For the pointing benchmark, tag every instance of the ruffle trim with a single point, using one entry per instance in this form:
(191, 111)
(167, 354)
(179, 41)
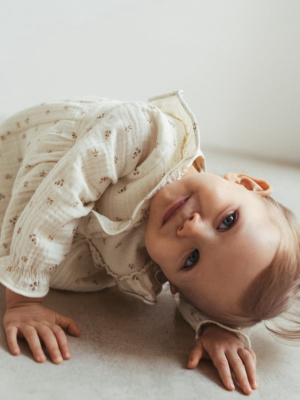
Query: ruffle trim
(23, 282)
(145, 284)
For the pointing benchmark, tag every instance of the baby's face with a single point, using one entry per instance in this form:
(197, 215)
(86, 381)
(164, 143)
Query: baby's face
(217, 242)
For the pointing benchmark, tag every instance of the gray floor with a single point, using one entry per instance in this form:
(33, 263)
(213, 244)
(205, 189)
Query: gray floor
(129, 350)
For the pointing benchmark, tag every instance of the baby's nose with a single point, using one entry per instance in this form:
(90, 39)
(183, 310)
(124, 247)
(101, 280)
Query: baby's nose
(191, 226)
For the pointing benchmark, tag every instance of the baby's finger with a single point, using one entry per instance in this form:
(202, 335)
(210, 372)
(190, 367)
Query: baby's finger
(249, 362)
(33, 340)
(239, 371)
(195, 355)
(50, 342)
(68, 324)
(62, 341)
(221, 363)
(11, 335)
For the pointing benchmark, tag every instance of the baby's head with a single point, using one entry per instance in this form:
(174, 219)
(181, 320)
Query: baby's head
(230, 249)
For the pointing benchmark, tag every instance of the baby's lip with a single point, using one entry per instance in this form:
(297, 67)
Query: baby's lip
(173, 209)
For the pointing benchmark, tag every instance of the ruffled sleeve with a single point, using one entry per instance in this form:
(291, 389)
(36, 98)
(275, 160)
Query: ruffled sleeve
(197, 322)
(44, 231)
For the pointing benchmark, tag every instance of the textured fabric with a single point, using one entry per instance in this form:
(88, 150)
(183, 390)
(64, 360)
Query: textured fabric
(77, 178)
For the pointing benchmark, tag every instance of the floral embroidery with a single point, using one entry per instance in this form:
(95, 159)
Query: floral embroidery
(33, 238)
(119, 219)
(59, 183)
(193, 311)
(107, 134)
(8, 176)
(42, 174)
(74, 135)
(118, 245)
(116, 160)
(27, 120)
(20, 159)
(14, 220)
(28, 166)
(88, 129)
(49, 200)
(24, 136)
(9, 269)
(2, 196)
(50, 151)
(66, 107)
(25, 259)
(135, 171)
(50, 237)
(131, 266)
(5, 245)
(137, 151)
(122, 190)
(195, 126)
(75, 204)
(128, 128)
(96, 152)
(149, 120)
(103, 240)
(156, 145)
(103, 179)
(19, 230)
(135, 278)
(25, 184)
(100, 116)
(98, 195)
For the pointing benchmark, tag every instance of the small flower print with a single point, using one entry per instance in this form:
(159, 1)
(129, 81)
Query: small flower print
(20, 159)
(18, 125)
(2, 196)
(88, 129)
(24, 136)
(107, 134)
(8, 176)
(75, 204)
(14, 220)
(193, 311)
(96, 152)
(100, 116)
(50, 151)
(149, 120)
(47, 112)
(128, 128)
(50, 237)
(135, 278)
(9, 269)
(8, 132)
(98, 195)
(5, 245)
(103, 179)
(118, 245)
(19, 230)
(59, 183)
(49, 200)
(195, 126)
(131, 266)
(103, 240)
(34, 285)
(74, 135)
(135, 171)
(42, 174)
(25, 259)
(137, 151)
(28, 166)
(122, 190)
(3, 137)
(119, 219)
(66, 107)
(27, 120)
(116, 160)
(26, 184)
(33, 238)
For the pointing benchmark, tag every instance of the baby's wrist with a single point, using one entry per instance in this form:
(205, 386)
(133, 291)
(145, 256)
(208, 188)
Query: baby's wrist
(14, 299)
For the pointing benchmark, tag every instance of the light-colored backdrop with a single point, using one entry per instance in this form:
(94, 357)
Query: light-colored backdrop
(238, 62)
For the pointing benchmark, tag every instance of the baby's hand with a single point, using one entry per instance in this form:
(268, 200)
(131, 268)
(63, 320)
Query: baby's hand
(35, 323)
(226, 350)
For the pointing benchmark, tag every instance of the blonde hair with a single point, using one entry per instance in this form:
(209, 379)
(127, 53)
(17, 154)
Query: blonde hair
(276, 290)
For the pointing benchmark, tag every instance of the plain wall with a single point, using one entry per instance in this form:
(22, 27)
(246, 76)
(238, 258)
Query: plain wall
(238, 62)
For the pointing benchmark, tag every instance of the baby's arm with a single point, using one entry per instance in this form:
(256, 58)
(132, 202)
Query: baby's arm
(27, 318)
(225, 350)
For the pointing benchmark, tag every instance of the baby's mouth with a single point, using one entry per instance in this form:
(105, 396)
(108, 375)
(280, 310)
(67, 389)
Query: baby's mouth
(174, 209)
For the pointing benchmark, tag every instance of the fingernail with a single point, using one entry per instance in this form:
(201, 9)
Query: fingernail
(58, 360)
(248, 388)
(231, 386)
(67, 354)
(254, 385)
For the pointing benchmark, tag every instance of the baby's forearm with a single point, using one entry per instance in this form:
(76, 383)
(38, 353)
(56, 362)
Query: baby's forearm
(14, 299)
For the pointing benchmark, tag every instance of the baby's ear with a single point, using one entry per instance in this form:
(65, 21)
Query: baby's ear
(173, 288)
(259, 186)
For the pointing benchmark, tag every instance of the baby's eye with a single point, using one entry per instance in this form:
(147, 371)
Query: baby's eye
(191, 260)
(228, 222)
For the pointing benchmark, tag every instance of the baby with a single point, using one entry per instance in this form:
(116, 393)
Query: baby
(97, 192)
